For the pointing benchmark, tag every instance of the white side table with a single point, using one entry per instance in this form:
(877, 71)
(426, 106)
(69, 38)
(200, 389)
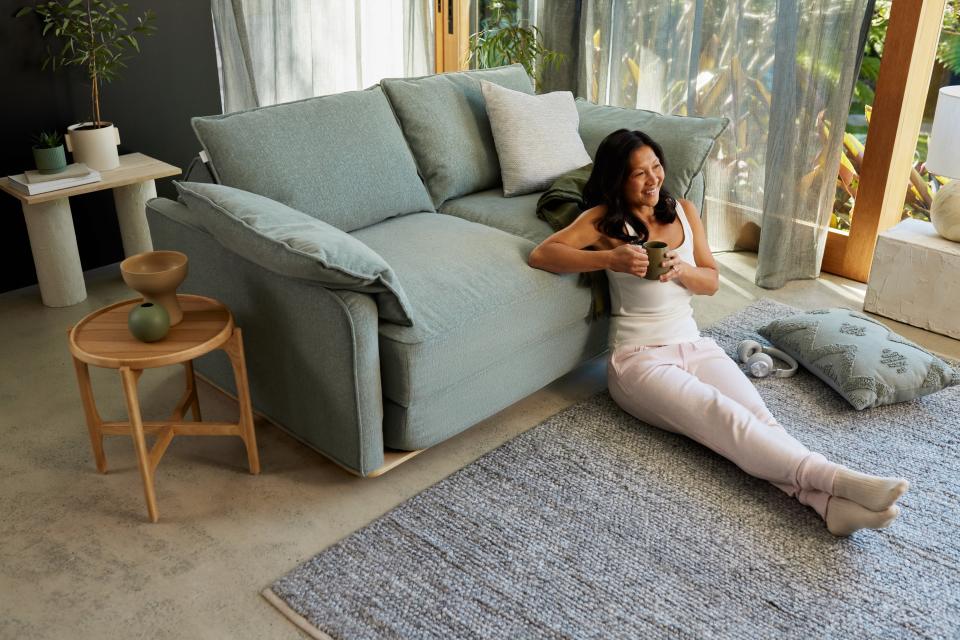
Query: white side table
(914, 278)
(53, 241)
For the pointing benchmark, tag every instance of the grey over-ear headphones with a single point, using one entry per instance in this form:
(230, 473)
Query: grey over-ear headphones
(758, 360)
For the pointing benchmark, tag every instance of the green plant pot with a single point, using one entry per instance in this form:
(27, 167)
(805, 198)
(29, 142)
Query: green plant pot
(50, 160)
(148, 322)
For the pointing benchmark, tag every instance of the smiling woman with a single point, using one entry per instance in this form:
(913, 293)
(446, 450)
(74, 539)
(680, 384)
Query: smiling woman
(630, 169)
(660, 369)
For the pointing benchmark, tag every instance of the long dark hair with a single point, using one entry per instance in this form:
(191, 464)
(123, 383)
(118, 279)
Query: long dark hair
(611, 168)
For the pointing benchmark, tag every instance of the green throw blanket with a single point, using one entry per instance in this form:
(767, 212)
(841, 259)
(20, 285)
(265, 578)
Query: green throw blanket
(559, 206)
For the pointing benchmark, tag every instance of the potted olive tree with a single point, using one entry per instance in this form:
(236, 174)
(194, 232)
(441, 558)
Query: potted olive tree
(95, 35)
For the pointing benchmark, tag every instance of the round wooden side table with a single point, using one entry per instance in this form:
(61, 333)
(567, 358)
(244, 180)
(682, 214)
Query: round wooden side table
(103, 339)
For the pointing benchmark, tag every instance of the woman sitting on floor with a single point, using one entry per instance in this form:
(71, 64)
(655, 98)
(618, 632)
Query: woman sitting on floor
(660, 369)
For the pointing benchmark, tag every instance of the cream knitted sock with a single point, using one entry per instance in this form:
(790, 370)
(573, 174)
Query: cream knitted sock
(873, 492)
(844, 517)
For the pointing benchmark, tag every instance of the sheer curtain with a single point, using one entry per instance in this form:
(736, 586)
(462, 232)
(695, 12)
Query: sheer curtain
(275, 51)
(781, 71)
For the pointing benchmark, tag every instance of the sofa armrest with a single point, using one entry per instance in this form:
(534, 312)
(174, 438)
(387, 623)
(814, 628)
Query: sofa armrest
(312, 354)
(292, 243)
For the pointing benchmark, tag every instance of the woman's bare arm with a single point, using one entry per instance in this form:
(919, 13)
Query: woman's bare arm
(701, 277)
(565, 251)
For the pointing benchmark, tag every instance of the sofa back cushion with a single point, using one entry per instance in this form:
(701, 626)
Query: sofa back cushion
(686, 140)
(340, 158)
(444, 118)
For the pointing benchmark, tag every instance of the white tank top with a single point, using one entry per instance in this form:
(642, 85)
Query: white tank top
(650, 312)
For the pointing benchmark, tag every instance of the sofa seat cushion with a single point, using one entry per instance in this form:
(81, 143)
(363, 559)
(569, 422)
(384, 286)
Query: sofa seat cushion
(340, 158)
(516, 216)
(473, 298)
(457, 407)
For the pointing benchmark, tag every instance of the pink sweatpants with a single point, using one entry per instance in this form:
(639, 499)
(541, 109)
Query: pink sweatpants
(695, 389)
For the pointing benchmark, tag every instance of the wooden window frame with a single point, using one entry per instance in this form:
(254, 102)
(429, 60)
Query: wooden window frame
(451, 23)
(909, 53)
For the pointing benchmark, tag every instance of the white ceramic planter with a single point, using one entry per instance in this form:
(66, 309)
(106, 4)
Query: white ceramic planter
(96, 148)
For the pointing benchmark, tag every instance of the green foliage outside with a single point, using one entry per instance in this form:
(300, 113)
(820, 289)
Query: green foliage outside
(922, 186)
(503, 38)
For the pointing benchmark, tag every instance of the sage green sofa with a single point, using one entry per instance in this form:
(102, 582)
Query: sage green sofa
(454, 328)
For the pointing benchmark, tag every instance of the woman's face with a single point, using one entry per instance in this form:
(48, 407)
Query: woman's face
(645, 178)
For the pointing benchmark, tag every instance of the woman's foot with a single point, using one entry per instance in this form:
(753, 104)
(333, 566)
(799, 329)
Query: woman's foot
(844, 517)
(873, 492)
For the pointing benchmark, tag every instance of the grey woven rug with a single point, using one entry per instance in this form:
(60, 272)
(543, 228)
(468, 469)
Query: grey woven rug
(594, 524)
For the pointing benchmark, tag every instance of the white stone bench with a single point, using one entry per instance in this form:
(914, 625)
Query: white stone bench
(915, 278)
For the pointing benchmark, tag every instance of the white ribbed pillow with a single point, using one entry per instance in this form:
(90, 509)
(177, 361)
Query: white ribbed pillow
(536, 137)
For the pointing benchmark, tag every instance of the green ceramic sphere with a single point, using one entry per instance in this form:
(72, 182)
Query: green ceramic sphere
(148, 322)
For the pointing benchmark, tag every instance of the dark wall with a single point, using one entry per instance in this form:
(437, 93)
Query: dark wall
(173, 78)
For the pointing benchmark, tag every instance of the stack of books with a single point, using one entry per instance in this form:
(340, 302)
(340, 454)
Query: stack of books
(33, 182)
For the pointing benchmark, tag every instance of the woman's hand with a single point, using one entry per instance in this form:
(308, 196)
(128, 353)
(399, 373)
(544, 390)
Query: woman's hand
(629, 258)
(674, 265)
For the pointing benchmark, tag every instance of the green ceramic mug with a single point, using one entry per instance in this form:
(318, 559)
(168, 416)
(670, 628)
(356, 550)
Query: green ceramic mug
(656, 253)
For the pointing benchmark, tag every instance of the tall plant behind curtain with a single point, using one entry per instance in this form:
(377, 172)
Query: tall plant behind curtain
(275, 51)
(775, 165)
(527, 12)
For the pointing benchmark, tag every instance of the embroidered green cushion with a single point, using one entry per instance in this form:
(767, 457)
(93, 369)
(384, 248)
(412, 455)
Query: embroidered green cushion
(859, 357)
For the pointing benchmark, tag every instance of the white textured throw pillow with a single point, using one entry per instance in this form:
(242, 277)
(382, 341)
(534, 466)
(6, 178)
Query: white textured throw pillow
(536, 137)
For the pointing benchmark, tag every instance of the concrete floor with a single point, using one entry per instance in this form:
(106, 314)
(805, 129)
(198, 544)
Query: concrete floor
(78, 558)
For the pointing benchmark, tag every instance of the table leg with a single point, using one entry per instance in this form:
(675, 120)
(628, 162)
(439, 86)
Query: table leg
(129, 378)
(131, 204)
(192, 384)
(55, 255)
(92, 415)
(234, 349)
(190, 396)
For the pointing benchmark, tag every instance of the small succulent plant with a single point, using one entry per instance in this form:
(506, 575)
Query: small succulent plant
(47, 140)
